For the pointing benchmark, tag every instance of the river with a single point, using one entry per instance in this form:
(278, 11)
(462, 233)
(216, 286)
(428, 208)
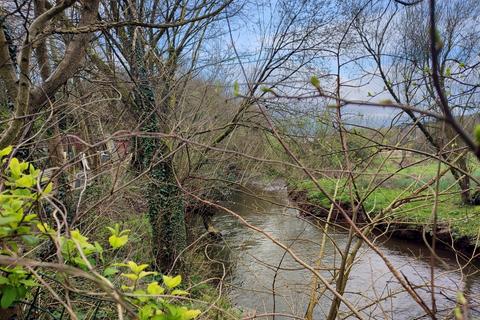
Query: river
(259, 267)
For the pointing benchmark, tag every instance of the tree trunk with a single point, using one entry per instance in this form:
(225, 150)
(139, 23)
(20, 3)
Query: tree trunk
(459, 159)
(165, 200)
(463, 180)
(166, 215)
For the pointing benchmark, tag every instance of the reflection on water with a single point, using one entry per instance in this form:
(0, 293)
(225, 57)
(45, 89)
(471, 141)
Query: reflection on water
(260, 267)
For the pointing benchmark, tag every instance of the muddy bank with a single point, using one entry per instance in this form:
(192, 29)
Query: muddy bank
(405, 230)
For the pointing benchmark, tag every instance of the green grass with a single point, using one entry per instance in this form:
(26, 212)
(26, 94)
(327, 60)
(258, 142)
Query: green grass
(462, 219)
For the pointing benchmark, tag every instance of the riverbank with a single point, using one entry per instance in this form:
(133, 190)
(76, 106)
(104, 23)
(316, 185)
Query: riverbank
(397, 214)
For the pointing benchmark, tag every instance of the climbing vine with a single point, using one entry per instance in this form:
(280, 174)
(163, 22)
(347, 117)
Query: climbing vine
(166, 207)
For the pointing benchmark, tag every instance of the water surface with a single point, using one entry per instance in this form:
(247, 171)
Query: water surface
(260, 267)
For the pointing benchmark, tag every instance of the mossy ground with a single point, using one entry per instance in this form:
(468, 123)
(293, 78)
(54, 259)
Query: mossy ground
(462, 219)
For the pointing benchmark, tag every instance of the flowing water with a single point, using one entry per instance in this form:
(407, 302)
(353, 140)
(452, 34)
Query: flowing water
(260, 267)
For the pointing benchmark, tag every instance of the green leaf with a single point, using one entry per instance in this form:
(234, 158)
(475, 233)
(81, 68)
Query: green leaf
(315, 81)
(9, 219)
(177, 292)
(15, 168)
(44, 228)
(21, 292)
(29, 283)
(110, 271)
(236, 89)
(29, 217)
(266, 89)
(146, 312)
(448, 72)
(136, 268)
(48, 189)
(190, 314)
(458, 313)
(9, 294)
(143, 274)
(76, 235)
(31, 169)
(124, 232)
(26, 181)
(29, 239)
(6, 151)
(112, 231)
(119, 264)
(172, 282)
(141, 295)
(117, 242)
(126, 288)
(477, 133)
(130, 276)
(461, 298)
(155, 289)
(98, 247)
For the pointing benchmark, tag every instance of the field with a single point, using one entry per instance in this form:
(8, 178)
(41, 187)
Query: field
(382, 191)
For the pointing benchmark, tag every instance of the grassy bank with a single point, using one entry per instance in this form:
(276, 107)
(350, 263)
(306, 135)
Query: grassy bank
(399, 197)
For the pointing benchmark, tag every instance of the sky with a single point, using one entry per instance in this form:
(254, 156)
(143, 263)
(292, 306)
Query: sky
(247, 36)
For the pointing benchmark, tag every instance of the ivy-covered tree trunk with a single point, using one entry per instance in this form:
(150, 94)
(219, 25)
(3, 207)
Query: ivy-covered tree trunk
(165, 200)
(166, 214)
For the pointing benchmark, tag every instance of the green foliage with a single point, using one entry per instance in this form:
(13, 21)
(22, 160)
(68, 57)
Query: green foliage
(166, 212)
(448, 72)
(172, 282)
(461, 305)
(315, 82)
(20, 228)
(477, 133)
(151, 298)
(17, 223)
(14, 284)
(267, 89)
(118, 238)
(72, 249)
(236, 89)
